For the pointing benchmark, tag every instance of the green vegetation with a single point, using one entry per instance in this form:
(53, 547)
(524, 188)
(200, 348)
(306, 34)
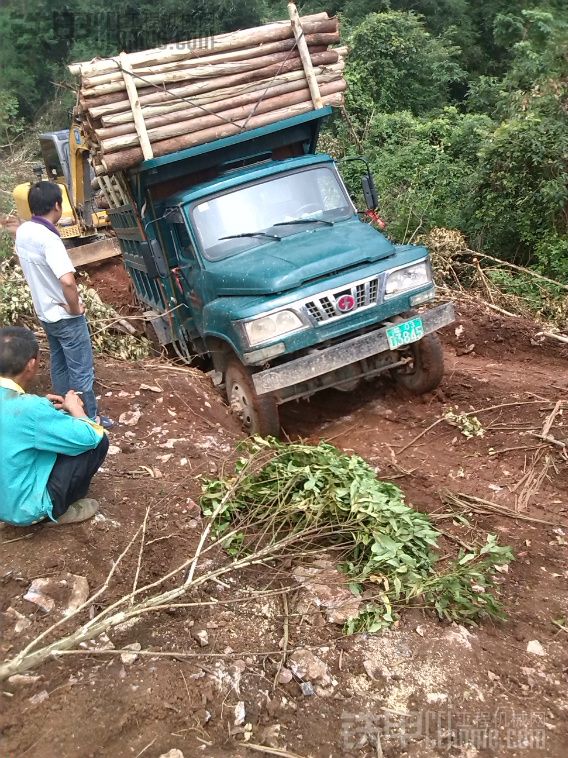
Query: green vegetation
(16, 307)
(461, 106)
(320, 496)
(461, 144)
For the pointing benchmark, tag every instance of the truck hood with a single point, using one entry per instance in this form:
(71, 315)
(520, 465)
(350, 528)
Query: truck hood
(298, 259)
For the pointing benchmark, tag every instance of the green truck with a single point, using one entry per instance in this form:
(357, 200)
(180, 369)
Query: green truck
(249, 251)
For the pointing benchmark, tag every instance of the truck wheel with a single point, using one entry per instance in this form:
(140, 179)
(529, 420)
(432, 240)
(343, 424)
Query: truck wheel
(257, 413)
(427, 369)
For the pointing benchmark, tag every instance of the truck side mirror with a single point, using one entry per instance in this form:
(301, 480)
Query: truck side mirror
(370, 191)
(154, 260)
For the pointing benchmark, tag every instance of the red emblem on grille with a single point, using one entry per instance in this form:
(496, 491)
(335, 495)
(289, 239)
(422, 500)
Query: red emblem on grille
(345, 303)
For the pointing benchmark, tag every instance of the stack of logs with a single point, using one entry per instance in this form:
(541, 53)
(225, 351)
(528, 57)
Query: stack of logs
(146, 104)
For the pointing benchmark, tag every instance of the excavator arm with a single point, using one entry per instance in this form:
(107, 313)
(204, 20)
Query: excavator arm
(66, 161)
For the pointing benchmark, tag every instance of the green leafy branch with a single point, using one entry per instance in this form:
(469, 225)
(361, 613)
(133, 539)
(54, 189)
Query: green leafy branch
(325, 498)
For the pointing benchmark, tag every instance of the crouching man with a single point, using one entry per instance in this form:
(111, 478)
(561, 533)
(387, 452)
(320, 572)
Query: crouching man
(49, 448)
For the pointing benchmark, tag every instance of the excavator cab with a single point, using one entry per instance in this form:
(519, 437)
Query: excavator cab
(65, 161)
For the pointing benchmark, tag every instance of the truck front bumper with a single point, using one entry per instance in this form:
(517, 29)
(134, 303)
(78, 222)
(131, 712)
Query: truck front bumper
(329, 359)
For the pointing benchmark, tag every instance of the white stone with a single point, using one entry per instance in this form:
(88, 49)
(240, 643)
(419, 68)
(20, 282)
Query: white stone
(535, 647)
(128, 658)
(240, 713)
(307, 666)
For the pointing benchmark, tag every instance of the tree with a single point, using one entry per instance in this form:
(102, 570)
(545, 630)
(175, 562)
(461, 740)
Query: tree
(38, 38)
(395, 64)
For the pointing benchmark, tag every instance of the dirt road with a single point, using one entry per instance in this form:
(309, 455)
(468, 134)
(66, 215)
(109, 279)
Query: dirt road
(426, 688)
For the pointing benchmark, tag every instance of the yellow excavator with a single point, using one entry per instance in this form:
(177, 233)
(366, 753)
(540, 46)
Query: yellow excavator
(84, 225)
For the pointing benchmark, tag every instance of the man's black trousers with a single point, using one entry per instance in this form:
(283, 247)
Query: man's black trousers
(71, 476)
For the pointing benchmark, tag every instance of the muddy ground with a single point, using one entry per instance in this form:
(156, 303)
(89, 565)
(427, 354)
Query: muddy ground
(426, 688)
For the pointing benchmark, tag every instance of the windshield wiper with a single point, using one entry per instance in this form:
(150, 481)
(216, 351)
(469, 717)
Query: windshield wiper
(252, 234)
(304, 221)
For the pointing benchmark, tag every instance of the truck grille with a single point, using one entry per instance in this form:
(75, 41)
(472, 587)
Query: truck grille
(343, 302)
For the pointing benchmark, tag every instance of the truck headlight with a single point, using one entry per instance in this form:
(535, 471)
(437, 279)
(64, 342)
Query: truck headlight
(408, 278)
(268, 327)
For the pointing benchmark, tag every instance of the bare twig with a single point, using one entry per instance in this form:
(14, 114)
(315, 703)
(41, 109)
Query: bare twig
(484, 507)
(138, 565)
(527, 271)
(419, 436)
(550, 420)
(549, 438)
(560, 625)
(271, 750)
(148, 746)
(380, 753)
(507, 405)
(552, 336)
(512, 449)
(501, 310)
(285, 638)
(181, 654)
(532, 480)
(17, 539)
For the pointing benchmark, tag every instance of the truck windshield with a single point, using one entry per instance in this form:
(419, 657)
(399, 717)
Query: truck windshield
(265, 207)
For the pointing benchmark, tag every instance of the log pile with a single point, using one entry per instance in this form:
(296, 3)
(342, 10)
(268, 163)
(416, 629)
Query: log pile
(141, 105)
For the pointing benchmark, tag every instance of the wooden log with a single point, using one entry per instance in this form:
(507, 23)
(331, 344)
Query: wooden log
(208, 71)
(323, 73)
(237, 113)
(181, 112)
(96, 105)
(128, 158)
(304, 55)
(104, 107)
(231, 41)
(325, 39)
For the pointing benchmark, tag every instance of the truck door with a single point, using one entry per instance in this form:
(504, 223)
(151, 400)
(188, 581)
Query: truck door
(188, 272)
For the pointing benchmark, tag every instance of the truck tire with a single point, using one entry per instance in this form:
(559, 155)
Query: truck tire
(428, 367)
(258, 413)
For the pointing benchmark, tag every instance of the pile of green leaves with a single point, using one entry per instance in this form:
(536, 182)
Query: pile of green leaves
(321, 495)
(16, 307)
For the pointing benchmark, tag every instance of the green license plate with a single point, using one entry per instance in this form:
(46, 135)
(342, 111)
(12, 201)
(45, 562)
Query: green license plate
(405, 333)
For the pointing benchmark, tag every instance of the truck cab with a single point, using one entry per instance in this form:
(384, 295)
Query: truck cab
(249, 250)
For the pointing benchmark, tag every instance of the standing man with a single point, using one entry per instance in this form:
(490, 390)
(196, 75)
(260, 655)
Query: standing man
(50, 275)
(49, 449)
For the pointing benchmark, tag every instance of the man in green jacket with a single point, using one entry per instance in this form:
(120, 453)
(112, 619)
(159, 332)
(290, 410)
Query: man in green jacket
(49, 448)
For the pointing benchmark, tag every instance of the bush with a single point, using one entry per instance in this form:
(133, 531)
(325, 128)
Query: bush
(522, 188)
(395, 64)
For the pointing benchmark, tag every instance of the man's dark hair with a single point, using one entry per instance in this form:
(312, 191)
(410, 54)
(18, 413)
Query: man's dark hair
(17, 346)
(43, 196)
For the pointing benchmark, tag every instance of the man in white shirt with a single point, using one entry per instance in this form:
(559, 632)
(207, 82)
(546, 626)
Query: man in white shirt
(50, 276)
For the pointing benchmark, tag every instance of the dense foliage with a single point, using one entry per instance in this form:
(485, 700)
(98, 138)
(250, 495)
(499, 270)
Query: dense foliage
(461, 106)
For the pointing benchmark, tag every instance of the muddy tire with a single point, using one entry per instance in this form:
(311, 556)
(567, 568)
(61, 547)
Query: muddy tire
(428, 367)
(257, 413)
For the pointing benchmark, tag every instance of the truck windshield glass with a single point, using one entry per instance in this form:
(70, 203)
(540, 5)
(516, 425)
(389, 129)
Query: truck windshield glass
(258, 208)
